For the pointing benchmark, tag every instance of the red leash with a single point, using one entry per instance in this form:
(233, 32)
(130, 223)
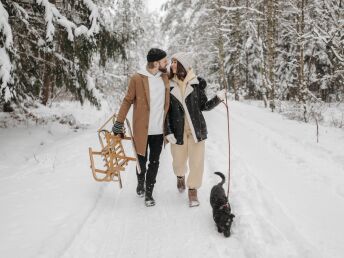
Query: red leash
(229, 146)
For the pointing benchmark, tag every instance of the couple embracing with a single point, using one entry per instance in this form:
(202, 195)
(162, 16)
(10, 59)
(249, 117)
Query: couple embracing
(167, 107)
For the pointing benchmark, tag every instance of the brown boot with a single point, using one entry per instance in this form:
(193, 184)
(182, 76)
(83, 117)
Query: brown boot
(193, 200)
(181, 183)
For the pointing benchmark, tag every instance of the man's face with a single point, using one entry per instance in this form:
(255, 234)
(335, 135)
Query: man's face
(163, 64)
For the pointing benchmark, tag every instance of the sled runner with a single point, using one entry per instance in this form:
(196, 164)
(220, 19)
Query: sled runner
(111, 157)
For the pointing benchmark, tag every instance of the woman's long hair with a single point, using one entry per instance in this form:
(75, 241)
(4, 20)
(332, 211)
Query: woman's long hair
(181, 72)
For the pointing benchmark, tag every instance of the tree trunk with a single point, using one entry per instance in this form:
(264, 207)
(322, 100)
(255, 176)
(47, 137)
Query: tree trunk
(236, 72)
(271, 51)
(221, 57)
(301, 79)
(261, 31)
(47, 72)
(247, 86)
(46, 79)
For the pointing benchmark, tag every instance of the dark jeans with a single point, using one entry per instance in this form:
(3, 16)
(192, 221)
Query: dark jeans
(154, 143)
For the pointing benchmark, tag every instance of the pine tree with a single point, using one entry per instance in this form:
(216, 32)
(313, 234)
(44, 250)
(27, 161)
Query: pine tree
(54, 43)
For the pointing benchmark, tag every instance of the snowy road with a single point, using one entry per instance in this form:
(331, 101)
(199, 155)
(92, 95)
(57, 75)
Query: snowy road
(287, 193)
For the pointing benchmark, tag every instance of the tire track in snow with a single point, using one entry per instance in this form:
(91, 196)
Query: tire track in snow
(265, 131)
(315, 168)
(57, 242)
(264, 221)
(92, 237)
(169, 229)
(260, 226)
(67, 235)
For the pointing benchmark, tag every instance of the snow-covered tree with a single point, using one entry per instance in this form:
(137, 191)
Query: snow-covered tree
(176, 25)
(53, 45)
(6, 51)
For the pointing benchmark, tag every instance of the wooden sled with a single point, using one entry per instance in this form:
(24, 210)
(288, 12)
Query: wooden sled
(112, 156)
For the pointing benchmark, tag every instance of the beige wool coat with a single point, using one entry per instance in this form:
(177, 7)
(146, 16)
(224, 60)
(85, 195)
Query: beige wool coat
(138, 95)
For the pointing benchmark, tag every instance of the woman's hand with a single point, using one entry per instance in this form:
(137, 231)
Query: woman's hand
(171, 138)
(221, 94)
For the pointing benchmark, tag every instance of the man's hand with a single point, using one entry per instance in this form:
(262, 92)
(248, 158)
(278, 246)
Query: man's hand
(171, 138)
(118, 129)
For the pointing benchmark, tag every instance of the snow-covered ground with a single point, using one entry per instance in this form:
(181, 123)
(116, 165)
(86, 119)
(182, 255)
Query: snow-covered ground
(328, 114)
(287, 193)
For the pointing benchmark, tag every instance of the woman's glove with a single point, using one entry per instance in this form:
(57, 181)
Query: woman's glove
(221, 94)
(171, 138)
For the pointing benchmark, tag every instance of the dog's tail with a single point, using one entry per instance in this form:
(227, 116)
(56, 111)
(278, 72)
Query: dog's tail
(222, 176)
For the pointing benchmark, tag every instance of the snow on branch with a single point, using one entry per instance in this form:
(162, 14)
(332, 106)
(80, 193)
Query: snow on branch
(52, 15)
(341, 59)
(5, 62)
(5, 74)
(237, 8)
(5, 27)
(93, 17)
(92, 87)
(23, 15)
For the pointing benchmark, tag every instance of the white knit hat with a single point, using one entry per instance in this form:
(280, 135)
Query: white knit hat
(185, 59)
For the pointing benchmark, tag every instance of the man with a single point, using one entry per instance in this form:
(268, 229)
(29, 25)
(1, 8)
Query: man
(149, 92)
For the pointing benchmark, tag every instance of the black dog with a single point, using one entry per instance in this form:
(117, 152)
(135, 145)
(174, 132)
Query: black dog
(221, 209)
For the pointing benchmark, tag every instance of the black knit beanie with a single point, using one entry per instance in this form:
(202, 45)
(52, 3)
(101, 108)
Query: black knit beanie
(155, 54)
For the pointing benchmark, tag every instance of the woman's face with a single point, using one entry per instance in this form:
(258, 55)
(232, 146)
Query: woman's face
(174, 65)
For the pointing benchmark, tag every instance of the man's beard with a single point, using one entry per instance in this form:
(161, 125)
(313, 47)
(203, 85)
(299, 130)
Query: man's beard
(163, 70)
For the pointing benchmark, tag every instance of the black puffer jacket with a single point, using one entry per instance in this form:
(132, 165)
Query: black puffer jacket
(195, 103)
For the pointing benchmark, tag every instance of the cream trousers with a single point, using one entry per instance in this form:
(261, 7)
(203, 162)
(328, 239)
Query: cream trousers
(192, 153)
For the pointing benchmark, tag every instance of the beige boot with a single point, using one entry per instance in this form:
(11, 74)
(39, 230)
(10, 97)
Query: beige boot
(193, 200)
(181, 183)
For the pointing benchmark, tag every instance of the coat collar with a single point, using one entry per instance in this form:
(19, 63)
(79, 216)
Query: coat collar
(194, 81)
(176, 92)
(190, 79)
(146, 88)
(164, 77)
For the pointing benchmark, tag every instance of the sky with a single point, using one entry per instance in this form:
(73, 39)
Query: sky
(153, 5)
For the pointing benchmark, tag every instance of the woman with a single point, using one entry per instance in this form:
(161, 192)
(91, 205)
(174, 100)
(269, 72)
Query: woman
(185, 126)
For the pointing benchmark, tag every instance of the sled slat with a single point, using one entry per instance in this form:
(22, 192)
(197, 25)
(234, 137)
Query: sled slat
(112, 155)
